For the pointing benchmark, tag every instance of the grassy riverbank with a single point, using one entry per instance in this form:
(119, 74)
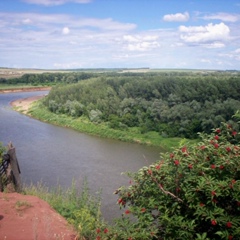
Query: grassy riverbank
(80, 208)
(22, 88)
(81, 124)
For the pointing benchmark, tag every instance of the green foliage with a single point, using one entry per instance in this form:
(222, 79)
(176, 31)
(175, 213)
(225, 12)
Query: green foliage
(172, 103)
(48, 79)
(192, 192)
(2, 178)
(112, 129)
(2, 151)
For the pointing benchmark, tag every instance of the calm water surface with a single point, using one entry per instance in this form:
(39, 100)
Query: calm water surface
(56, 155)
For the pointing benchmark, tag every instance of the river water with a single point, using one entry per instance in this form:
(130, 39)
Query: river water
(54, 155)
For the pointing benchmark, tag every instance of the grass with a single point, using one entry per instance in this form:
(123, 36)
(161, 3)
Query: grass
(82, 124)
(78, 207)
(21, 205)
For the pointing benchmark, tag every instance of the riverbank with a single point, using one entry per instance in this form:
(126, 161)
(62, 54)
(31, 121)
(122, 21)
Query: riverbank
(33, 108)
(24, 89)
(23, 105)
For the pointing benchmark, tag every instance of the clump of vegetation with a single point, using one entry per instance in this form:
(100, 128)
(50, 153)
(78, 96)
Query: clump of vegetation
(83, 124)
(2, 151)
(191, 193)
(80, 208)
(22, 205)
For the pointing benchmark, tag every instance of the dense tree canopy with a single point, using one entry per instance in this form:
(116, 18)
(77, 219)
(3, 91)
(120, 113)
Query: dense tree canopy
(173, 104)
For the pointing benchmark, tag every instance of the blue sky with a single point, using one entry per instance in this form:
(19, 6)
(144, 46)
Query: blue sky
(65, 34)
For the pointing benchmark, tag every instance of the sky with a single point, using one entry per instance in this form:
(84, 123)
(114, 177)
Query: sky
(70, 34)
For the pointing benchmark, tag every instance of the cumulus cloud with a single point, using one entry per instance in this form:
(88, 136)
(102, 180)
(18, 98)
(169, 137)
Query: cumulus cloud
(65, 30)
(205, 34)
(54, 2)
(141, 43)
(178, 17)
(225, 17)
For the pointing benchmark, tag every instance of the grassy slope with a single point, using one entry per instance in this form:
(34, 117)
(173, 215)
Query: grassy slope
(84, 125)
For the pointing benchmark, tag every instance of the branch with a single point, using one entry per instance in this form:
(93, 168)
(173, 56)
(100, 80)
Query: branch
(166, 192)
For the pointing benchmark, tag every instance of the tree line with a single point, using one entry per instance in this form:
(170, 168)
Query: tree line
(48, 78)
(171, 103)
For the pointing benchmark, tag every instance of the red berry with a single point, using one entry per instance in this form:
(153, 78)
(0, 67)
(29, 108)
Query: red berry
(216, 137)
(229, 224)
(176, 162)
(214, 222)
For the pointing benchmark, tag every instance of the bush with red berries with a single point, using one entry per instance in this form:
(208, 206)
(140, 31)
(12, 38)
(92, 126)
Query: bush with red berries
(191, 193)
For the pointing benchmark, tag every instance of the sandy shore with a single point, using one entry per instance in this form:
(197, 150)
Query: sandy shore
(24, 104)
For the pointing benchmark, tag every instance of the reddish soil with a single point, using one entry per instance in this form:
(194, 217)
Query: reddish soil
(24, 217)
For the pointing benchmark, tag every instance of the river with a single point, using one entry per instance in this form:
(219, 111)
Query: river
(55, 156)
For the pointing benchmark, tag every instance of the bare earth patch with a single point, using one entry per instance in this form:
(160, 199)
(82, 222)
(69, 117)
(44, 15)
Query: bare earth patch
(25, 217)
(24, 104)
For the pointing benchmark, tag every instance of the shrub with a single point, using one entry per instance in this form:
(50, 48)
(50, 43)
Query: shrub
(2, 151)
(192, 192)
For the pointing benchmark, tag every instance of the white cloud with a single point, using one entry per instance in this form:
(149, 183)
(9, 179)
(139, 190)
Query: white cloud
(54, 2)
(232, 55)
(49, 21)
(69, 65)
(107, 24)
(203, 60)
(65, 30)
(141, 43)
(46, 37)
(204, 34)
(215, 45)
(178, 17)
(225, 17)
(70, 41)
(26, 21)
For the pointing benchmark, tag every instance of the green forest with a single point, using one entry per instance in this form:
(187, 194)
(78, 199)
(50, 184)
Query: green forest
(172, 103)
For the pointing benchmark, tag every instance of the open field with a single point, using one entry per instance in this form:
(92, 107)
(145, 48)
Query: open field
(18, 72)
